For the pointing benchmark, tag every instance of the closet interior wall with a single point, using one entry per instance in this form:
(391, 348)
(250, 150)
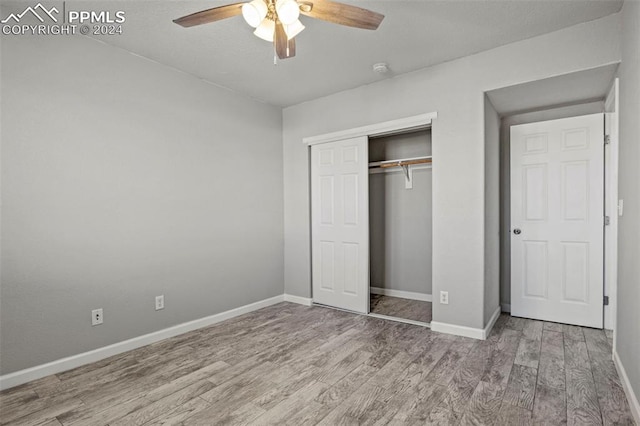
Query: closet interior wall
(399, 218)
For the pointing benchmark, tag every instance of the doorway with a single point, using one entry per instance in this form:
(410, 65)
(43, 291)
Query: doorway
(400, 207)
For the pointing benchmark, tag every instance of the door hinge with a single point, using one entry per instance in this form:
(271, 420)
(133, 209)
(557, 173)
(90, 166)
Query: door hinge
(606, 301)
(607, 220)
(607, 139)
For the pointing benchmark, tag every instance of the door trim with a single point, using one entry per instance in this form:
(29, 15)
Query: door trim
(401, 125)
(612, 109)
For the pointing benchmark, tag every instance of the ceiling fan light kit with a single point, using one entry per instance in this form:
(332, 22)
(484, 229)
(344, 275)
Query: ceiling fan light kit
(254, 12)
(276, 21)
(266, 30)
(287, 11)
(263, 15)
(293, 29)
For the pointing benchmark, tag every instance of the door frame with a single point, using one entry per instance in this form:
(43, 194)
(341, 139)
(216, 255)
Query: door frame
(385, 128)
(611, 113)
(392, 127)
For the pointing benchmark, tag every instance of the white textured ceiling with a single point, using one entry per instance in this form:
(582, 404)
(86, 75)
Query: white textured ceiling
(331, 58)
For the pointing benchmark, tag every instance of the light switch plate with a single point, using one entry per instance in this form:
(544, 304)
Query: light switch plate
(160, 302)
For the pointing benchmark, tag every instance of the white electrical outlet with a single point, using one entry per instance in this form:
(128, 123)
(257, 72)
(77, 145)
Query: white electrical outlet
(444, 297)
(96, 317)
(159, 302)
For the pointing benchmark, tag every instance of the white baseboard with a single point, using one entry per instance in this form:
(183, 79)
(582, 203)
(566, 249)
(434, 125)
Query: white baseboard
(64, 364)
(506, 307)
(397, 319)
(492, 322)
(458, 330)
(634, 405)
(461, 330)
(402, 294)
(306, 301)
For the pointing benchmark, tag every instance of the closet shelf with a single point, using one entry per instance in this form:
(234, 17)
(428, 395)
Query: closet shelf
(400, 163)
(406, 165)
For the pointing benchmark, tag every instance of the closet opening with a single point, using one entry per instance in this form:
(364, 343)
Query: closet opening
(400, 227)
(389, 250)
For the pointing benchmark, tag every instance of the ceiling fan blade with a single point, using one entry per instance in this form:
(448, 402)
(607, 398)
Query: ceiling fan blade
(343, 14)
(292, 48)
(282, 43)
(210, 15)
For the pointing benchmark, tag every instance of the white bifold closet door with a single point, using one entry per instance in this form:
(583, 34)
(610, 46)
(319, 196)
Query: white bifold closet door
(557, 196)
(340, 224)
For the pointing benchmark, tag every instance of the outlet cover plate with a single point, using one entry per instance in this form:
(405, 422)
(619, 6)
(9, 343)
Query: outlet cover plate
(97, 317)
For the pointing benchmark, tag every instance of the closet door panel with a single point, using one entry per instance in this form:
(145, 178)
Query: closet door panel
(340, 224)
(327, 265)
(350, 200)
(351, 264)
(327, 211)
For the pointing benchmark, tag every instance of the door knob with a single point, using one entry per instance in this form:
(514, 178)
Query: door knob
(517, 231)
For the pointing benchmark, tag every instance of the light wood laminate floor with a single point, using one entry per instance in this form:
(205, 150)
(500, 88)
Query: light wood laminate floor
(415, 310)
(289, 364)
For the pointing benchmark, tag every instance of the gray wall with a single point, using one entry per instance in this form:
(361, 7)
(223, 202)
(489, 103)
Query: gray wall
(491, 210)
(456, 91)
(400, 218)
(505, 179)
(122, 180)
(628, 316)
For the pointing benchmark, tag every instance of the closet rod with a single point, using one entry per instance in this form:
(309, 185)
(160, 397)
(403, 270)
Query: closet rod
(400, 163)
(405, 163)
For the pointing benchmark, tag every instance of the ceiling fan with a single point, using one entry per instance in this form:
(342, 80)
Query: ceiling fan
(277, 21)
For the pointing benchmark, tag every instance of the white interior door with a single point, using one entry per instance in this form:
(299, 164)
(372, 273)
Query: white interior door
(340, 224)
(557, 201)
